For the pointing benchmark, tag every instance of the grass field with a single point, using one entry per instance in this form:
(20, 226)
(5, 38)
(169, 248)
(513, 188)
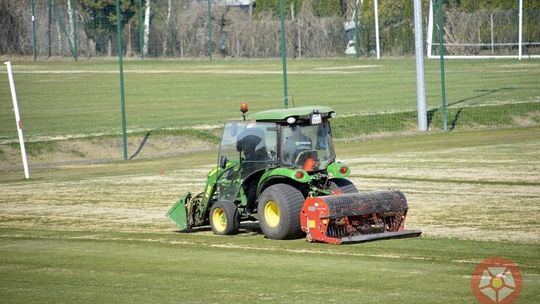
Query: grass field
(65, 98)
(88, 229)
(90, 233)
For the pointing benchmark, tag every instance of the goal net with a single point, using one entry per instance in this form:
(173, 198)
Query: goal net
(502, 29)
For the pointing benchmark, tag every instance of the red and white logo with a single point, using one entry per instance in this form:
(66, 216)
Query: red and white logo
(496, 280)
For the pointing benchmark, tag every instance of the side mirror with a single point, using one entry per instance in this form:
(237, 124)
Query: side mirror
(223, 161)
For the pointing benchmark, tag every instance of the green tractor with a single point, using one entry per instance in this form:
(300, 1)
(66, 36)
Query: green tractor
(270, 165)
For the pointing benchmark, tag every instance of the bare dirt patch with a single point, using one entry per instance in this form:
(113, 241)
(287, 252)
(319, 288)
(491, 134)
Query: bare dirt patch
(99, 149)
(486, 192)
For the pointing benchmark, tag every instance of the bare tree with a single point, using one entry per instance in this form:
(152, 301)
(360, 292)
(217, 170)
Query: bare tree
(166, 29)
(146, 26)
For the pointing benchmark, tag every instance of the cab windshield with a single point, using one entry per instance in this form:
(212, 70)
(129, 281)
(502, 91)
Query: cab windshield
(307, 146)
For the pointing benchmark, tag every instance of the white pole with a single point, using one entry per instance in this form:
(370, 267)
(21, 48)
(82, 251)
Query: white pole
(17, 119)
(520, 28)
(420, 81)
(375, 7)
(430, 29)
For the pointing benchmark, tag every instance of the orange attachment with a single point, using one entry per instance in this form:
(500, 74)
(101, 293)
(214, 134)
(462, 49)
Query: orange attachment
(243, 107)
(309, 164)
(355, 217)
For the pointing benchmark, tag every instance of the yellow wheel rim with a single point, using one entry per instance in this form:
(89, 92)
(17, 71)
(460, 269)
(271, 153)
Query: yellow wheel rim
(271, 214)
(219, 220)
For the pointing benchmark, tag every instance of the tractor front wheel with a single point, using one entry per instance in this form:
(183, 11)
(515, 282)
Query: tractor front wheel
(279, 212)
(224, 218)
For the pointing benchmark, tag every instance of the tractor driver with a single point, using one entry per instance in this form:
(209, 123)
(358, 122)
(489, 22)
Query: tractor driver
(251, 142)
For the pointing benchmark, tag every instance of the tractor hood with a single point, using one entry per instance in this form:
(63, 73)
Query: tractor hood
(281, 115)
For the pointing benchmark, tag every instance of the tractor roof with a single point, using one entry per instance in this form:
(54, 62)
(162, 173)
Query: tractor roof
(282, 114)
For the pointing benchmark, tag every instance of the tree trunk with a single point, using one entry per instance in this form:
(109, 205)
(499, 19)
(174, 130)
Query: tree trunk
(59, 32)
(109, 46)
(299, 39)
(70, 19)
(91, 48)
(146, 27)
(166, 31)
(129, 46)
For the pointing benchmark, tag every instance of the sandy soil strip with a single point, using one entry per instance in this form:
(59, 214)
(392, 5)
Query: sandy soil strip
(349, 67)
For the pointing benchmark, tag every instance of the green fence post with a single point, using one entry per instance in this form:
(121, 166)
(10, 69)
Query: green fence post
(283, 54)
(444, 113)
(74, 17)
(210, 47)
(49, 24)
(121, 70)
(141, 34)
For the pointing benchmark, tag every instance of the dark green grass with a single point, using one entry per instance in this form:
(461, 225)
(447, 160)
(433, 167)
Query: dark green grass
(458, 118)
(57, 267)
(181, 93)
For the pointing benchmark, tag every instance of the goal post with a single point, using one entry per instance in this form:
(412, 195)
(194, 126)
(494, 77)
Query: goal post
(484, 33)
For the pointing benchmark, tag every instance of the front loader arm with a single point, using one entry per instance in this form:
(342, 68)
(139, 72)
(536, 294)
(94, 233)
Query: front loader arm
(192, 210)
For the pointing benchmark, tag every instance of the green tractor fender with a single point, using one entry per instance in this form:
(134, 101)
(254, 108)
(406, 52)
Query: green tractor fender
(287, 175)
(338, 170)
(295, 175)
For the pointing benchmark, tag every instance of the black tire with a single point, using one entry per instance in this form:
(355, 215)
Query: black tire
(285, 223)
(345, 185)
(224, 218)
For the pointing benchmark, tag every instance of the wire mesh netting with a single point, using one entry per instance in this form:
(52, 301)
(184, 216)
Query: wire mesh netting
(480, 28)
(247, 28)
(375, 96)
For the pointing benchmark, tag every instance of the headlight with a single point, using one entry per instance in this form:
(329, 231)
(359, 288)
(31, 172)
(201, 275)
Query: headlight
(291, 120)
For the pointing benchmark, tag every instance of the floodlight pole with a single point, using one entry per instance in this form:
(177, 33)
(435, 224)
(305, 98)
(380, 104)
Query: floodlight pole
(420, 81)
(283, 54)
(34, 51)
(443, 82)
(121, 71)
(17, 119)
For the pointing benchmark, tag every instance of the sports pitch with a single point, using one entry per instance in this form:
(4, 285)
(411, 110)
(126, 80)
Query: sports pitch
(94, 229)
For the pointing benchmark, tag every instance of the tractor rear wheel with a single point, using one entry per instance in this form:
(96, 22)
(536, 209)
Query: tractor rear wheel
(279, 212)
(342, 184)
(224, 218)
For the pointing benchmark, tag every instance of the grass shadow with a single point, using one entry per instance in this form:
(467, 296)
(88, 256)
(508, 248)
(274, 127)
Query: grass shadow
(431, 113)
(141, 145)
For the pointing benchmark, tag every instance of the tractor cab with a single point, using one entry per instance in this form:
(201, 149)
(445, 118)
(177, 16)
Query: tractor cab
(298, 138)
(267, 141)
(304, 137)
